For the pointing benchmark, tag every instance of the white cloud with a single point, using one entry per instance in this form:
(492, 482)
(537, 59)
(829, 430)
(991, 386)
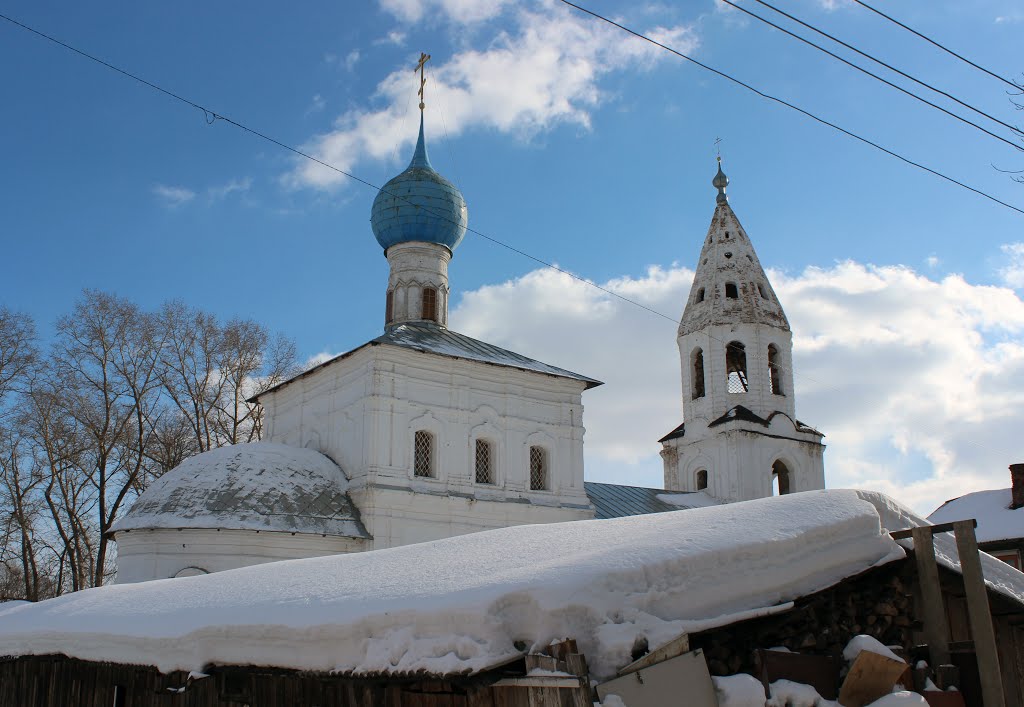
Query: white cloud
(543, 73)
(351, 59)
(917, 383)
(1013, 272)
(230, 187)
(395, 37)
(459, 11)
(932, 261)
(173, 196)
(316, 105)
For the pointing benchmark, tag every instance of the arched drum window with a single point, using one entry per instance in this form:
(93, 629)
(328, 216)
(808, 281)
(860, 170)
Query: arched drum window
(430, 304)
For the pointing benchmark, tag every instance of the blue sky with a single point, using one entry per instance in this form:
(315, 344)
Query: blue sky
(570, 141)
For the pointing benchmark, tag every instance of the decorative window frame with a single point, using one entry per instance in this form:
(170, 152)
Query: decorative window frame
(487, 432)
(547, 443)
(426, 423)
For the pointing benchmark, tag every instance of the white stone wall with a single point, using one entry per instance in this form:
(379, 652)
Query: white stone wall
(414, 266)
(739, 457)
(161, 553)
(363, 412)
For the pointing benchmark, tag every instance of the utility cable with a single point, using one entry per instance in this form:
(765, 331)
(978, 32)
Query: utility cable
(792, 106)
(1008, 82)
(212, 117)
(875, 76)
(892, 68)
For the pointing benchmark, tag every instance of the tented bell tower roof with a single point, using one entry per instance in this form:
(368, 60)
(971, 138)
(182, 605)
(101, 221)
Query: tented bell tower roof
(729, 285)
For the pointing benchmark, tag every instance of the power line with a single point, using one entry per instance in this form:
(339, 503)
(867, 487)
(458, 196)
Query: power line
(792, 106)
(964, 59)
(878, 61)
(212, 117)
(873, 75)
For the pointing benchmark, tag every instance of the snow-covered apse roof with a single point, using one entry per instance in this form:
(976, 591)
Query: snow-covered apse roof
(460, 604)
(996, 520)
(257, 486)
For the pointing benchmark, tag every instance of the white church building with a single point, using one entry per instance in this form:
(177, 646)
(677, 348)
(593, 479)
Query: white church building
(424, 433)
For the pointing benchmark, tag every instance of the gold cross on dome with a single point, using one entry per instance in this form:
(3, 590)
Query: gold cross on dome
(424, 58)
(718, 148)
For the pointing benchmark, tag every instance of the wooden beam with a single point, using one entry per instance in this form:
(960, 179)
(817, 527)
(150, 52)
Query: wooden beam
(982, 629)
(940, 528)
(936, 630)
(539, 681)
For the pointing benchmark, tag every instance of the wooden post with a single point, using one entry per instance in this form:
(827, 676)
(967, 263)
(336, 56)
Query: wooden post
(981, 616)
(936, 631)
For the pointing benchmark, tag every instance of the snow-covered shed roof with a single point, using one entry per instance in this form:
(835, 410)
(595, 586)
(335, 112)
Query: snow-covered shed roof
(618, 501)
(462, 604)
(256, 486)
(432, 338)
(996, 520)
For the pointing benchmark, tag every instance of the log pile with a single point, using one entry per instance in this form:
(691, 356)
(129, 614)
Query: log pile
(878, 603)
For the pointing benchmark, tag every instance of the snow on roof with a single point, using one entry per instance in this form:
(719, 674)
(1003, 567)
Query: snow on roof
(257, 486)
(460, 605)
(996, 520)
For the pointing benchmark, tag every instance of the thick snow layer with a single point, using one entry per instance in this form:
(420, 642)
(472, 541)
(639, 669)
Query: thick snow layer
(867, 643)
(786, 693)
(998, 575)
(901, 699)
(460, 604)
(996, 521)
(258, 486)
(695, 499)
(739, 690)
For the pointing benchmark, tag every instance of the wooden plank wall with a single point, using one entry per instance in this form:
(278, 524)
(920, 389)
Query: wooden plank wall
(56, 681)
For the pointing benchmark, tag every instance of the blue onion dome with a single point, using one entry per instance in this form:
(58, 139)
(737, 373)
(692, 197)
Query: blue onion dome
(419, 205)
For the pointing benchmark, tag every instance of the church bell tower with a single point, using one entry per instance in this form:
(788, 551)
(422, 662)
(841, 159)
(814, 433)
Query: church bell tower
(740, 438)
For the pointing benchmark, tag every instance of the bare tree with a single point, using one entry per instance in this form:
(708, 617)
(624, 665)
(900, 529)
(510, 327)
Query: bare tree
(121, 397)
(251, 362)
(106, 360)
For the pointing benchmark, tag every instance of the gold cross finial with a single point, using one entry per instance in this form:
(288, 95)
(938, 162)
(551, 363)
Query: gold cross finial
(718, 148)
(424, 58)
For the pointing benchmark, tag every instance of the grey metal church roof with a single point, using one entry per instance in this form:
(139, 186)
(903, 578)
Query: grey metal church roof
(435, 339)
(441, 341)
(257, 486)
(617, 501)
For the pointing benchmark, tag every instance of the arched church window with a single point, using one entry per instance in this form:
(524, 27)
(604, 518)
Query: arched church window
(698, 374)
(429, 304)
(423, 454)
(731, 291)
(774, 370)
(483, 462)
(538, 469)
(702, 479)
(389, 307)
(780, 479)
(736, 367)
(700, 295)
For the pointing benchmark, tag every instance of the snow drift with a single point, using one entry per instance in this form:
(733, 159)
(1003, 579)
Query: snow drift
(463, 604)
